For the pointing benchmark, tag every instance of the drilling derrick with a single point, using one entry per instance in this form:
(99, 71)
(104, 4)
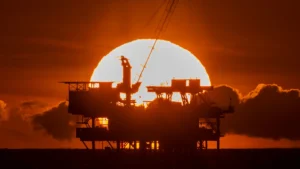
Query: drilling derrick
(163, 126)
(126, 86)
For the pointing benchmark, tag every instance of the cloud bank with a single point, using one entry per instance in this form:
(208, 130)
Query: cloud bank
(57, 122)
(32, 124)
(269, 111)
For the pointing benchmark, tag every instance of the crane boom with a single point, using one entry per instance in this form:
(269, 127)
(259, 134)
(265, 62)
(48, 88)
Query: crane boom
(171, 5)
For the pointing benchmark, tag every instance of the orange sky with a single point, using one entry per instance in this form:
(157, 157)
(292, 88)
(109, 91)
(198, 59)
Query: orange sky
(241, 44)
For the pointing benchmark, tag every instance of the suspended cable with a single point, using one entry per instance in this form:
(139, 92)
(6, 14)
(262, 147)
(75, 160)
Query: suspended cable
(159, 29)
(154, 14)
(171, 14)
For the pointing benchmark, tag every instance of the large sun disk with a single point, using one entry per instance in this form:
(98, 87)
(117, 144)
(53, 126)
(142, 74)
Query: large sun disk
(167, 61)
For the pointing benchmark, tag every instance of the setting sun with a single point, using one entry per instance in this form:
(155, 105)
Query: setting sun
(167, 61)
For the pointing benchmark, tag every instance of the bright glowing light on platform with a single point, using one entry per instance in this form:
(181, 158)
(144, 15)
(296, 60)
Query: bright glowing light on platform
(103, 122)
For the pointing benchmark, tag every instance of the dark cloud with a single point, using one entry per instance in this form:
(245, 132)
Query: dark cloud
(222, 94)
(56, 122)
(15, 129)
(20, 111)
(18, 116)
(18, 128)
(23, 121)
(268, 112)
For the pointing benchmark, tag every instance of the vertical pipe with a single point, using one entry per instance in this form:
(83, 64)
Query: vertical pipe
(126, 79)
(93, 141)
(142, 145)
(118, 145)
(201, 145)
(128, 86)
(218, 133)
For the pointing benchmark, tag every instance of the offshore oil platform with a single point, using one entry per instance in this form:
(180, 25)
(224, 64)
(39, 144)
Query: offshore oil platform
(162, 125)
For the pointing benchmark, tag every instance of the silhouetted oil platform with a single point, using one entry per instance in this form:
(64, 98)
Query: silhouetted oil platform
(161, 126)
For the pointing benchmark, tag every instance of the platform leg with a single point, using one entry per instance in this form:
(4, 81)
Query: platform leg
(93, 142)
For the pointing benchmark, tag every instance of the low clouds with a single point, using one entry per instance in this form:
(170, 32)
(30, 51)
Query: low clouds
(267, 112)
(57, 122)
(16, 130)
(31, 124)
(221, 95)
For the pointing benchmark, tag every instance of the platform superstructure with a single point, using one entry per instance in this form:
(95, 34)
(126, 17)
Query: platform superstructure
(163, 125)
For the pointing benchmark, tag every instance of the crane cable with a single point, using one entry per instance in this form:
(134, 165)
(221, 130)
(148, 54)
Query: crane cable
(153, 16)
(170, 11)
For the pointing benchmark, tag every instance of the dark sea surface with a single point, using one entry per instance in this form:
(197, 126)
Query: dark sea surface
(84, 159)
